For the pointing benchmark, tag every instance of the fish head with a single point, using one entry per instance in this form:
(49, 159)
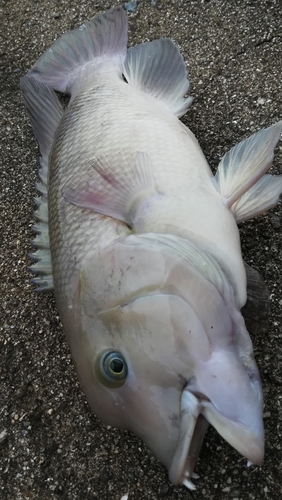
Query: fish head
(162, 352)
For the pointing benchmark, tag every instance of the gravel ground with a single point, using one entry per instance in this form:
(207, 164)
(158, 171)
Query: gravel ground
(51, 445)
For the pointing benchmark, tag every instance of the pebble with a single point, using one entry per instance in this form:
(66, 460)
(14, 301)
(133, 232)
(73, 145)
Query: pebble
(164, 489)
(3, 436)
(275, 221)
(130, 6)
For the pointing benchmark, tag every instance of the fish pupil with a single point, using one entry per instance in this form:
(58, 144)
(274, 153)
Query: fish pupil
(116, 365)
(111, 369)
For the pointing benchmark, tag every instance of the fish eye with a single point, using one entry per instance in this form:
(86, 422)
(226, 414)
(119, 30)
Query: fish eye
(111, 369)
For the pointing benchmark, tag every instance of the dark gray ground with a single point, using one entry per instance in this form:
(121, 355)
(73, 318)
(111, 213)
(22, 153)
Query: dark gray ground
(52, 447)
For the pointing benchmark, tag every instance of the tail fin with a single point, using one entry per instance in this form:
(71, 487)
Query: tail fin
(240, 177)
(99, 40)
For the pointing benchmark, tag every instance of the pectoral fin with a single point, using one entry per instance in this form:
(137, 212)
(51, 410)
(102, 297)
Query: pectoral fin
(256, 309)
(108, 189)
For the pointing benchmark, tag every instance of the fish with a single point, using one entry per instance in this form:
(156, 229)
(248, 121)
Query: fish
(139, 241)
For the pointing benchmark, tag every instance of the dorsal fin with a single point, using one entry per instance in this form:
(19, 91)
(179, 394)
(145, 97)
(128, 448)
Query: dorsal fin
(158, 69)
(240, 176)
(45, 113)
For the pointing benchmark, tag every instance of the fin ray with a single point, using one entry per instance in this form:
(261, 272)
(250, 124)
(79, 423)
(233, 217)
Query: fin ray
(45, 113)
(102, 38)
(260, 198)
(240, 176)
(111, 193)
(256, 310)
(158, 69)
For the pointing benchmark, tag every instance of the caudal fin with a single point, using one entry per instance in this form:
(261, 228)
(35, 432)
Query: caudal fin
(240, 177)
(98, 41)
(156, 68)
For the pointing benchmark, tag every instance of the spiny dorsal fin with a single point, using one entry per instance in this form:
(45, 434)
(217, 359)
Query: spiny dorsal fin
(45, 112)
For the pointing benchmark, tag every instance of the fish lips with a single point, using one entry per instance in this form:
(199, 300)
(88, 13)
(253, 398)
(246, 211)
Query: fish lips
(197, 412)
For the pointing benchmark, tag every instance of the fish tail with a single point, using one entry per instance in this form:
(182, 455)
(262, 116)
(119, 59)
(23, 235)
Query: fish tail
(99, 41)
(241, 177)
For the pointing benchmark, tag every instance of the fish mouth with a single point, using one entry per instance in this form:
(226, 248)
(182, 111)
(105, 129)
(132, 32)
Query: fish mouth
(193, 426)
(197, 412)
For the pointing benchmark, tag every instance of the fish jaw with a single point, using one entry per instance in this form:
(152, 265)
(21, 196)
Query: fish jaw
(225, 395)
(233, 403)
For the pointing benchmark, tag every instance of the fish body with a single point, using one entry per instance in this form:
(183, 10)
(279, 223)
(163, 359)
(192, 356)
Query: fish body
(145, 251)
(129, 117)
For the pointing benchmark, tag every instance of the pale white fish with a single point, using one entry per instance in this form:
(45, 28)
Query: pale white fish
(141, 245)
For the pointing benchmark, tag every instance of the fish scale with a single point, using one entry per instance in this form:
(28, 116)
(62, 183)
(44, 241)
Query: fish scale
(82, 133)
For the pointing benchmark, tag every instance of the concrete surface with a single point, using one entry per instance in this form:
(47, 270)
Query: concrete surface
(51, 446)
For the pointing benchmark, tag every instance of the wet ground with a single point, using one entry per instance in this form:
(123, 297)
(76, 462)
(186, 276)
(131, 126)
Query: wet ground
(51, 445)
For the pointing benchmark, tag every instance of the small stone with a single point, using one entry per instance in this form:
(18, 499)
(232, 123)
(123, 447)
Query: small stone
(235, 494)
(164, 489)
(130, 6)
(132, 478)
(3, 436)
(275, 221)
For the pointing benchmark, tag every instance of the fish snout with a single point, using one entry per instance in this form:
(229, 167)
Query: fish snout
(227, 395)
(233, 402)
